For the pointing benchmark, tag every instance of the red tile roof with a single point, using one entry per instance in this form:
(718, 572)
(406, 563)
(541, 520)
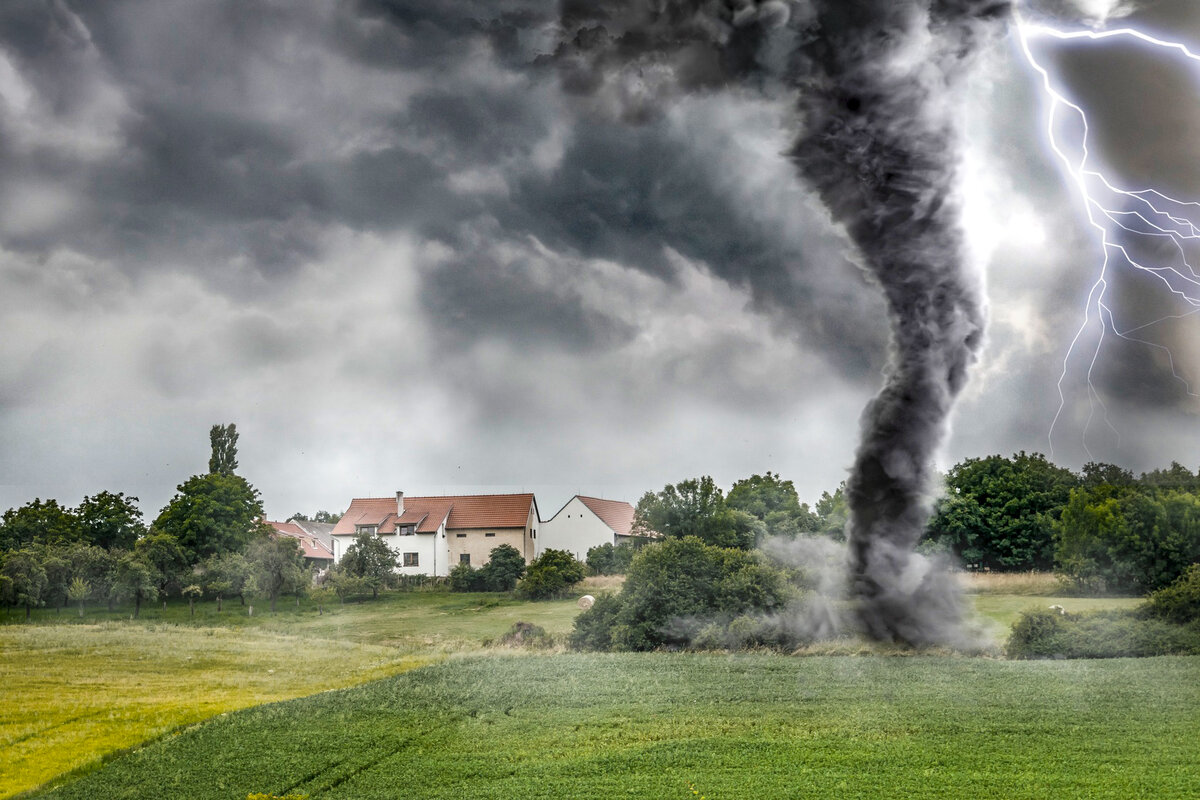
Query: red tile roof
(309, 544)
(616, 514)
(428, 513)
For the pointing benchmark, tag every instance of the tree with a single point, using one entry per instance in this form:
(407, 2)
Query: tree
(696, 507)
(370, 559)
(774, 502)
(38, 522)
(1096, 474)
(833, 513)
(610, 559)
(78, 592)
(332, 517)
(551, 574)
(277, 566)
(93, 565)
(223, 460)
(24, 579)
(226, 574)
(998, 513)
(504, 568)
(134, 578)
(110, 520)
(163, 553)
(191, 592)
(1175, 476)
(212, 514)
(58, 574)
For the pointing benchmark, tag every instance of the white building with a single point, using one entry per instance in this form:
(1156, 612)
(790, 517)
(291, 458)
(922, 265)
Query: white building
(587, 522)
(431, 535)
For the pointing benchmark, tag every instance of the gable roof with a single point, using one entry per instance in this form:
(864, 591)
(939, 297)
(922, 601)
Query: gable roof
(616, 514)
(428, 513)
(483, 510)
(312, 546)
(320, 530)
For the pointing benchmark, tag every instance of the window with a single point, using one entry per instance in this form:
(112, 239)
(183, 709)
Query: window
(533, 534)
(408, 530)
(464, 558)
(371, 529)
(489, 534)
(460, 535)
(410, 560)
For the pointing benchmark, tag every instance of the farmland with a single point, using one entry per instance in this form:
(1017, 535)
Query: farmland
(84, 689)
(648, 725)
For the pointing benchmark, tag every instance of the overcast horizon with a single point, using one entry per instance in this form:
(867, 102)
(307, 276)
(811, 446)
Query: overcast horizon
(383, 240)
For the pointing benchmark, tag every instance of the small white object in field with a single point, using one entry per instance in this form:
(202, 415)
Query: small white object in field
(586, 602)
(1058, 608)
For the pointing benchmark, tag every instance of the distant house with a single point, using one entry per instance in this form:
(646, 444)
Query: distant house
(316, 551)
(587, 522)
(431, 535)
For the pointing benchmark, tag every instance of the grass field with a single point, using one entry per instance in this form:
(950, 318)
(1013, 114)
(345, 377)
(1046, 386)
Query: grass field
(78, 690)
(648, 725)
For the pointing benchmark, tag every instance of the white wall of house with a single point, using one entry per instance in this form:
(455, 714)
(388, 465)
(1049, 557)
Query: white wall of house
(430, 548)
(575, 528)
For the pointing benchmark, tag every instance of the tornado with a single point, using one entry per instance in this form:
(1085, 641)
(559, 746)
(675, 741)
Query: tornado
(880, 143)
(876, 90)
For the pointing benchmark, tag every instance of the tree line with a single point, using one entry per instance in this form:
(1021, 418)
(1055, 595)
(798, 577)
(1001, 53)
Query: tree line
(209, 540)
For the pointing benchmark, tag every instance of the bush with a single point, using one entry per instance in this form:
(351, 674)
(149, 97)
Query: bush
(1179, 602)
(464, 578)
(609, 559)
(551, 574)
(1046, 633)
(526, 634)
(504, 568)
(676, 590)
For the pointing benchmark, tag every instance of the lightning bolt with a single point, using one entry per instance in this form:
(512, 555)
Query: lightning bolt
(1118, 216)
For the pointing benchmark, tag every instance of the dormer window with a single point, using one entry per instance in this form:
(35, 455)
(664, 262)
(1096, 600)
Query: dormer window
(370, 530)
(407, 530)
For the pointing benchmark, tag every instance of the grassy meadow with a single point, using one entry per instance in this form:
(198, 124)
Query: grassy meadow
(733, 726)
(79, 690)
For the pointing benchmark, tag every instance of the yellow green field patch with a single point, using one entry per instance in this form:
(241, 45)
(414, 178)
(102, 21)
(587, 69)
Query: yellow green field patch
(74, 693)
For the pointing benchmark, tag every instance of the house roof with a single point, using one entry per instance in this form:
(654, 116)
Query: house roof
(616, 514)
(311, 545)
(428, 513)
(320, 530)
(366, 511)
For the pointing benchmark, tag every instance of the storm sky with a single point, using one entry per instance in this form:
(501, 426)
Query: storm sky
(387, 242)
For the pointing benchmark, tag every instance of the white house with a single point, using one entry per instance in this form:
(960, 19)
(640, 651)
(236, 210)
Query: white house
(431, 535)
(586, 522)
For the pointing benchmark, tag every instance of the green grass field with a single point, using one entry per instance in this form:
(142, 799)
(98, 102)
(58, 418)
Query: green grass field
(648, 725)
(79, 690)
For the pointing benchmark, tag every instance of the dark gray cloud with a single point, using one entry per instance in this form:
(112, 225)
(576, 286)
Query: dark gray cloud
(358, 228)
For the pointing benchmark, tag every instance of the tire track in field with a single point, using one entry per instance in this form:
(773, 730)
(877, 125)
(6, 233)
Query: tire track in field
(41, 731)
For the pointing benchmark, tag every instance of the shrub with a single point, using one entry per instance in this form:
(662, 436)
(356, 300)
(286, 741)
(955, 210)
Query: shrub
(504, 568)
(551, 574)
(464, 578)
(1100, 634)
(609, 559)
(526, 634)
(1179, 602)
(676, 590)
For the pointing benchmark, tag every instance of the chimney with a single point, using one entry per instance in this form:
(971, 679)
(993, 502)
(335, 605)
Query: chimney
(400, 503)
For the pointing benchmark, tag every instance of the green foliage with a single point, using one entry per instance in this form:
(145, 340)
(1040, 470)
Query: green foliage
(276, 566)
(1180, 601)
(212, 514)
(226, 575)
(505, 566)
(223, 439)
(526, 634)
(110, 520)
(24, 577)
(677, 587)
(1176, 476)
(369, 559)
(38, 522)
(999, 513)
(165, 556)
(1096, 474)
(774, 502)
(552, 574)
(833, 513)
(1048, 633)
(465, 578)
(135, 579)
(697, 507)
(1128, 540)
(345, 585)
(327, 516)
(610, 559)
